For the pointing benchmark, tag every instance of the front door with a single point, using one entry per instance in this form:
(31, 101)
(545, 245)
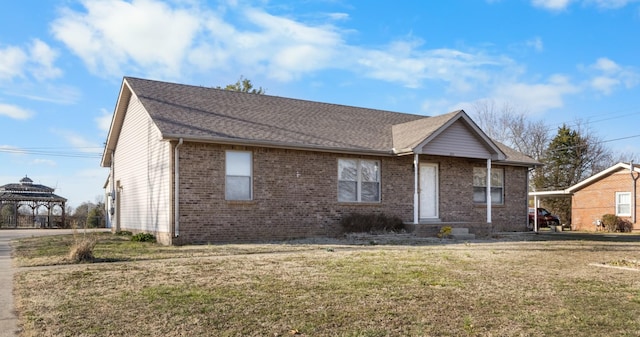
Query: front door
(428, 191)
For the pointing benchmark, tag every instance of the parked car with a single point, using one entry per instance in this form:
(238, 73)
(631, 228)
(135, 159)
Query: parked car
(545, 218)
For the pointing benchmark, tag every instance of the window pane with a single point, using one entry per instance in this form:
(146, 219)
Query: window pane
(624, 209)
(496, 195)
(238, 163)
(238, 188)
(369, 170)
(624, 198)
(479, 176)
(370, 192)
(480, 194)
(497, 177)
(347, 169)
(623, 203)
(347, 190)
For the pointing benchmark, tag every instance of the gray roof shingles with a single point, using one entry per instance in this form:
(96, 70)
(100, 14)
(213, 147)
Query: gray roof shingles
(209, 114)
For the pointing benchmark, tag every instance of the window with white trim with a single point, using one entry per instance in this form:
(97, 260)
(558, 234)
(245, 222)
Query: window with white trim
(623, 203)
(238, 175)
(358, 180)
(480, 185)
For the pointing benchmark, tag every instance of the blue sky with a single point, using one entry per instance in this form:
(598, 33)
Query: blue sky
(62, 63)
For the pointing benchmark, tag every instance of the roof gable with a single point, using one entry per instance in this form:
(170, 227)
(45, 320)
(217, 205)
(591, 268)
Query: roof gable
(601, 175)
(453, 134)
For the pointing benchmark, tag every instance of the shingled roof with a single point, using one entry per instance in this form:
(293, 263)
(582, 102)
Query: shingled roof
(197, 113)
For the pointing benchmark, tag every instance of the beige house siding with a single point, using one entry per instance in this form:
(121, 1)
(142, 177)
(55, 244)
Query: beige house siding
(459, 141)
(142, 170)
(593, 201)
(295, 195)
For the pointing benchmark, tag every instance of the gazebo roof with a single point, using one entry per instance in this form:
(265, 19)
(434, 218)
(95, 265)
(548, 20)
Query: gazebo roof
(26, 190)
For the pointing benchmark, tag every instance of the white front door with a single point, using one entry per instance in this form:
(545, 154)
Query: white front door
(428, 190)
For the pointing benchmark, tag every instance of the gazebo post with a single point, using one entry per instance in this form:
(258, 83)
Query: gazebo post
(63, 213)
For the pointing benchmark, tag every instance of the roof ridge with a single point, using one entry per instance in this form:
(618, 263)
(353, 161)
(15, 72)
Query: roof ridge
(274, 96)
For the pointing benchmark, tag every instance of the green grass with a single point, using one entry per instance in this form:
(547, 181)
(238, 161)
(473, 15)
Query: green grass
(473, 289)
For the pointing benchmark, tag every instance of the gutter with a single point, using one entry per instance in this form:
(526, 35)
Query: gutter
(176, 198)
(280, 145)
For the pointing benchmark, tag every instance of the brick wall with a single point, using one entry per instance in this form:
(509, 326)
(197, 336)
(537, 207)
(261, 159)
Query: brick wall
(456, 197)
(295, 195)
(593, 201)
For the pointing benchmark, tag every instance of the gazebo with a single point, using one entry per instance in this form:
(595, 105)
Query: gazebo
(26, 193)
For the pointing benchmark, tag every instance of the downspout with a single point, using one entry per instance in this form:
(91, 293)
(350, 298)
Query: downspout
(415, 189)
(489, 190)
(633, 194)
(176, 197)
(112, 209)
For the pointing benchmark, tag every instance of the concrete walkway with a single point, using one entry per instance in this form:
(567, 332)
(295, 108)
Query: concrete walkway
(8, 317)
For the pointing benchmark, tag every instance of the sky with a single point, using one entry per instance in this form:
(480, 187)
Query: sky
(62, 64)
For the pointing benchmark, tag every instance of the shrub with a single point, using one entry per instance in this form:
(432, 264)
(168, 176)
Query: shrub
(613, 223)
(370, 223)
(82, 250)
(445, 232)
(143, 237)
(124, 233)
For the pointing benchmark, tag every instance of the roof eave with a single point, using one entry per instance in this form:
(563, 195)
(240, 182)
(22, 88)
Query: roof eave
(116, 122)
(280, 145)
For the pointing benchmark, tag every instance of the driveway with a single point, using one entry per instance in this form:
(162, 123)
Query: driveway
(8, 318)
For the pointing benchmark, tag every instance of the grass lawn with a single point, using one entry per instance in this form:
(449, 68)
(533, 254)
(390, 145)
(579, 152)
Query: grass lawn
(482, 288)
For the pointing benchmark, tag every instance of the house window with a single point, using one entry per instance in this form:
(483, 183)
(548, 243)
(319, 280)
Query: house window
(480, 185)
(238, 175)
(358, 180)
(623, 203)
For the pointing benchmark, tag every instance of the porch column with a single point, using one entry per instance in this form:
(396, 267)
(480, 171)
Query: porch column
(488, 190)
(536, 204)
(415, 189)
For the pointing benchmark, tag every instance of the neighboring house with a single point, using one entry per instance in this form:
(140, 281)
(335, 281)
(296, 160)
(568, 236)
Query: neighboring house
(197, 165)
(611, 191)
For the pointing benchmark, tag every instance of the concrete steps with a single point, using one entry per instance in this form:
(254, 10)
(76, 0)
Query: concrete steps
(461, 234)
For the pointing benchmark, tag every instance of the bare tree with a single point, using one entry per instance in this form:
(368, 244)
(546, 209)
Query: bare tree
(511, 125)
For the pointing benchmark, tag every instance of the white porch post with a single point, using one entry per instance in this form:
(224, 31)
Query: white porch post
(536, 204)
(488, 190)
(415, 189)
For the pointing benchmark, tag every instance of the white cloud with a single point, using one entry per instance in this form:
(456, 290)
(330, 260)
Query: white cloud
(113, 37)
(78, 141)
(12, 61)
(403, 62)
(537, 97)
(104, 121)
(559, 5)
(554, 5)
(112, 33)
(608, 76)
(535, 43)
(611, 4)
(11, 149)
(14, 112)
(43, 58)
(46, 162)
(338, 16)
(36, 60)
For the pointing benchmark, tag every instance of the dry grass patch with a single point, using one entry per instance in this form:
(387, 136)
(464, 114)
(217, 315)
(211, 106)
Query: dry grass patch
(477, 289)
(54, 250)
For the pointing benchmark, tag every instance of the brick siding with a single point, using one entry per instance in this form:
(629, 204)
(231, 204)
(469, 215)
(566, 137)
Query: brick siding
(295, 195)
(593, 201)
